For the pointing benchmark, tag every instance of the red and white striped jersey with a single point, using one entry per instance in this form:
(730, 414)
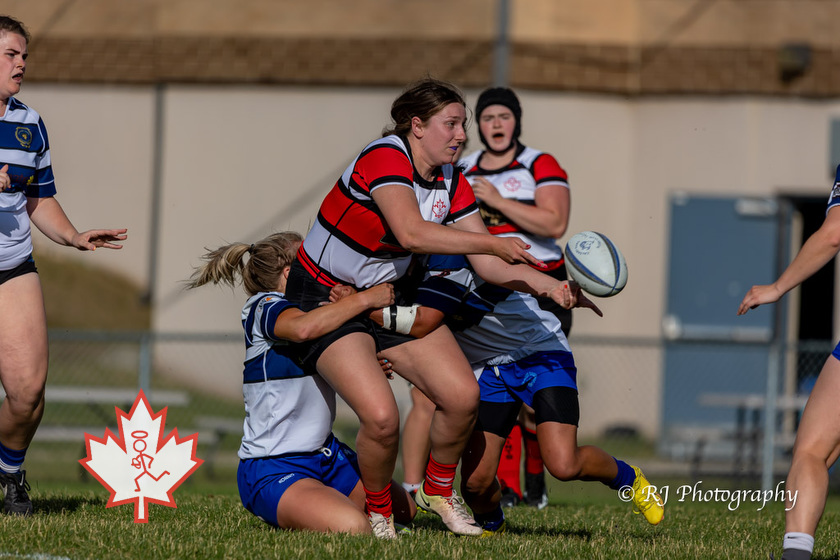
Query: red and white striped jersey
(529, 170)
(350, 242)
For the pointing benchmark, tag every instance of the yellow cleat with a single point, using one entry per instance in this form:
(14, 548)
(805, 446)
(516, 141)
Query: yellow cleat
(646, 500)
(493, 532)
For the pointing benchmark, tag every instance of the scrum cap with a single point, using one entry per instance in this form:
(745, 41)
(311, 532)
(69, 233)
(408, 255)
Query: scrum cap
(500, 96)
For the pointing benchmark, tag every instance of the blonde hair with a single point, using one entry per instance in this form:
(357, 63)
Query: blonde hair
(259, 273)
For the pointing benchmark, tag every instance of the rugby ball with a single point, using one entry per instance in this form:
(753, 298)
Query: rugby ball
(596, 264)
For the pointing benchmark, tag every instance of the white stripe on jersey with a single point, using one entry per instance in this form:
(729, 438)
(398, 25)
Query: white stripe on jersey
(342, 261)
(345, 263)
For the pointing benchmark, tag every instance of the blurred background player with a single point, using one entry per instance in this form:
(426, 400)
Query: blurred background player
(27, 196)
(523, 193)
(293, 472)
(817, 444)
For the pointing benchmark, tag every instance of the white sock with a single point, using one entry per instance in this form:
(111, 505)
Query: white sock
(410, 487)
(800, 541)
(9, 469)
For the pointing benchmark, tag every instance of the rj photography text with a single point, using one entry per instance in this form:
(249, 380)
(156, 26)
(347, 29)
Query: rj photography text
(733, 498)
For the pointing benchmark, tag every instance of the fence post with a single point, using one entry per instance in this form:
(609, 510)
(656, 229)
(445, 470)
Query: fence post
(144, 374)
(770, 408)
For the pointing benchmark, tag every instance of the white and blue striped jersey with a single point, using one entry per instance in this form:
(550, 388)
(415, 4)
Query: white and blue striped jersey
(286, 409)
(834, 197)
(25, 148)
(493, 325)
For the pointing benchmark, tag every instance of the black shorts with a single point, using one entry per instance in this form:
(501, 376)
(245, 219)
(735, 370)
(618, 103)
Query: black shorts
(307, 292)
(25, 267)
(552, 404)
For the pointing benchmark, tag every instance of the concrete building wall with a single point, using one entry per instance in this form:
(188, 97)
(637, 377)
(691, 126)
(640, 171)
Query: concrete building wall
(265, 102)
(240, 162)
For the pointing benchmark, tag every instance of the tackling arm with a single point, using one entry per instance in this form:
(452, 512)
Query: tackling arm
(299, 326)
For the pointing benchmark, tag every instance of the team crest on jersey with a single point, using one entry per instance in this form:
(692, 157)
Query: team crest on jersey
(512, 184)
(24, 136)
(439, 208)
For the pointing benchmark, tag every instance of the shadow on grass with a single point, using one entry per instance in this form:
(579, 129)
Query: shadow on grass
(63, 504)
(580, 534)
(433, 523)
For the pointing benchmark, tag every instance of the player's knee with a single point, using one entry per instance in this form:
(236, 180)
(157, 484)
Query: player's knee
(806, 455)
(461, 400)
(563, 469)
(381, 425)
(26, 400)
(352, 524)
(478, 482)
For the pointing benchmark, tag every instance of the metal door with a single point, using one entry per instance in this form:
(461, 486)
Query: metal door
(719, 248)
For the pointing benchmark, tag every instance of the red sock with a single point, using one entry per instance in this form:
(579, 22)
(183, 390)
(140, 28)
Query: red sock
(439, 478)
(379, 502)
(533, 459)
(509, 463)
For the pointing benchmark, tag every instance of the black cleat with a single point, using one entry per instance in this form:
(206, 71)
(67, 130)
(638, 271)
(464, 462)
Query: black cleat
(509, 498)
(15, 488)
(535, 495)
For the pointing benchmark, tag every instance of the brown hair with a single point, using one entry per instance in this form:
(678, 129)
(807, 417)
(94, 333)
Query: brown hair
(9, 24)
(424, 99)
(260, 273)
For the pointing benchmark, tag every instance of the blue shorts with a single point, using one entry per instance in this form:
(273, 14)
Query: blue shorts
(836, 352)
(263, 481)
(520, 380)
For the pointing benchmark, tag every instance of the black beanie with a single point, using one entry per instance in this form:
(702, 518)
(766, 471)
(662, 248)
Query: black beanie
(499, 96)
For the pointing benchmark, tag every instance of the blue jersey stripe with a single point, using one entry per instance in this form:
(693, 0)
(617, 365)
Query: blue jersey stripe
(275, 363)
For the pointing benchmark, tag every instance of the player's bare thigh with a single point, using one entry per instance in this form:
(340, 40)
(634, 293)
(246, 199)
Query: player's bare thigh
(23, 335)
(819, 430)
(350, 366)
(436, 365)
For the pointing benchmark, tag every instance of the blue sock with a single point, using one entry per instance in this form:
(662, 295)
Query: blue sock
(11, 459)
(626, 475)
(491, 521)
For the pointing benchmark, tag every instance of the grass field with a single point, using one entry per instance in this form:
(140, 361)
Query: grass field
(583, 520)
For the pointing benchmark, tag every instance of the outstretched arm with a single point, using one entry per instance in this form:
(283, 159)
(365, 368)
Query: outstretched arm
(299, 326)
(817, 251)
(523, 278)
(49, 217)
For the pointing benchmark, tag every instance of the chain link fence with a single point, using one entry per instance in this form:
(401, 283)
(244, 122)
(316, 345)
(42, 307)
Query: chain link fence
(621, 380)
